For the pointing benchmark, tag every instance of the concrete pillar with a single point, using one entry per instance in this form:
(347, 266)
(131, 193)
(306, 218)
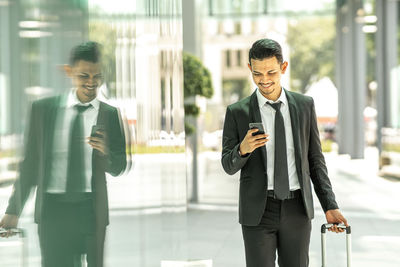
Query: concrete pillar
(11, 91)
(386, 61)
(351, 77)
(191, 15)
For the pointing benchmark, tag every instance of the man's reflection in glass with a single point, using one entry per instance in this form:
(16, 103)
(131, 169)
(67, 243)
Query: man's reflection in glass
(72, 141)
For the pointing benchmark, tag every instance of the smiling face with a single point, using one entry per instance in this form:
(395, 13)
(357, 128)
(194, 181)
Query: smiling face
(86, 78)
(267, 74)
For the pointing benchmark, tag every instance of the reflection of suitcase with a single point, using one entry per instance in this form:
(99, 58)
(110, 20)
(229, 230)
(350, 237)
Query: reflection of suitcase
(21, 236)
(324, 228)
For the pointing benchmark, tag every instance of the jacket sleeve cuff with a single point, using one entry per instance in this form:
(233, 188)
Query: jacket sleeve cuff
(237, 158)
(331, 206)
(244, 155)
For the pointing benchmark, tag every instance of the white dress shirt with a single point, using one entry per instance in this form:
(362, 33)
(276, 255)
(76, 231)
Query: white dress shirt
(268, 120)
(64, 117)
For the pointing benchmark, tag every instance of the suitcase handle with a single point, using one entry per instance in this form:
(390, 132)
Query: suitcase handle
(323, 242)
(326, 226)
(14, 231)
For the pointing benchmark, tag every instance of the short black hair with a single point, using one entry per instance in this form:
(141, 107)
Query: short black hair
(88, 51)
(266, 48)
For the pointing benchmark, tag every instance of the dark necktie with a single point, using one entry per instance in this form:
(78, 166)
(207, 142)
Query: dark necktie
(76, 159)
(281, 176)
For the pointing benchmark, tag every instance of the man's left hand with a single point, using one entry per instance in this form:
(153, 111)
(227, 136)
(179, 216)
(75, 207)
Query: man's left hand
(335, 217)
(98, 142)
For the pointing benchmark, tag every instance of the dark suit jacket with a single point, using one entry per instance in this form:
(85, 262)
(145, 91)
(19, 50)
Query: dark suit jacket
(35, 169)
(310, 162)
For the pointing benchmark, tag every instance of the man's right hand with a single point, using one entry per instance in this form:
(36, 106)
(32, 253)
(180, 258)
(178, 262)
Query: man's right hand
(250, 142)
(8, 221)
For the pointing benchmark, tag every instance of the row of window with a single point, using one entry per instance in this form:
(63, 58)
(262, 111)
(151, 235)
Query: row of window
(235, 58)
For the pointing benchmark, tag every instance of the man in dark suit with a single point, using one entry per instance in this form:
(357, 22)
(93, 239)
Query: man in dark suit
(72, 141)
(278, 166)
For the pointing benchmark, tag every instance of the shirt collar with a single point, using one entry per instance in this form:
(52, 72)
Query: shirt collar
(262, 99)
(72, 100)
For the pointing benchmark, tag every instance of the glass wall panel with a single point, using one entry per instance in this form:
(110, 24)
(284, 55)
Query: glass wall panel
(142, 75)
(145, 70)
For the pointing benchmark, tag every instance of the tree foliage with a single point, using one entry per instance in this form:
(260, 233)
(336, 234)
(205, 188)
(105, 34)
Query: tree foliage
(312, 50)
(197, 78)
(196, 82)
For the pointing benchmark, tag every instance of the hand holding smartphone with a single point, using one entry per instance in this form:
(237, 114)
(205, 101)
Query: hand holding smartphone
(97, 130)
(254, 138)
(257, 125)
(97, 139)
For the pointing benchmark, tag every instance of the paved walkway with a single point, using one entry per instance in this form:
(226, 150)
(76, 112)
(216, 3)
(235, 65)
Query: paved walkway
(143, 237)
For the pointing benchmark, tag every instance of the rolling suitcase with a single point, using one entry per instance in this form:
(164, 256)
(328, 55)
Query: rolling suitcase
(324, 228)
(21, 235)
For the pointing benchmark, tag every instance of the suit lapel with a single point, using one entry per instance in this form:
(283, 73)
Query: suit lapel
(255, 116)
(52, 116)
(294, 118)
(101, 118)
(49, 123)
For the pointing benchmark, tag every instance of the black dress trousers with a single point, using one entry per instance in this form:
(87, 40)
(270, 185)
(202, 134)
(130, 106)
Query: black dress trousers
(285, 230)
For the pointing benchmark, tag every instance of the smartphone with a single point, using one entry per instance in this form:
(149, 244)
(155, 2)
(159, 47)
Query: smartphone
(259, 126)
(95, 129)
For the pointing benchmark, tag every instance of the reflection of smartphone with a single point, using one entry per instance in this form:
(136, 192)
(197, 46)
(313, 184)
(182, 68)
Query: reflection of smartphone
(257, 125)
(96, 128)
